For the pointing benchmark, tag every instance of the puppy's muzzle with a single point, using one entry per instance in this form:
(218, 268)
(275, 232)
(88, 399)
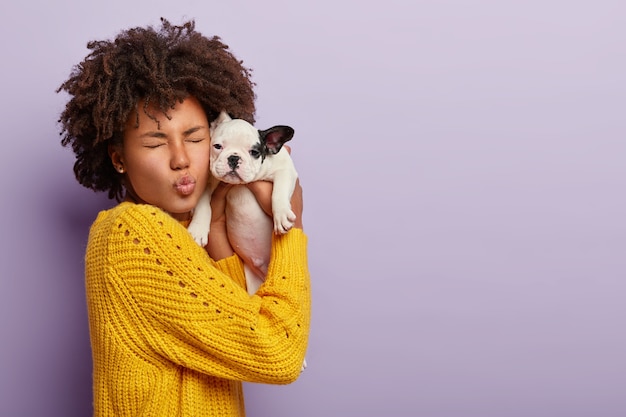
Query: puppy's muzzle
(233, 161)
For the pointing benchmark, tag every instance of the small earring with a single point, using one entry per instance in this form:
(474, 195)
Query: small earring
(120, 169)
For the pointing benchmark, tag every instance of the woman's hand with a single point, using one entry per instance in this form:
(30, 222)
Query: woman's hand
(262, 190)
(219, 247)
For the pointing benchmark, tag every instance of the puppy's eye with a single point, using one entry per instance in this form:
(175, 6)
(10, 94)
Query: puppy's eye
(255, 153)
(217, 146)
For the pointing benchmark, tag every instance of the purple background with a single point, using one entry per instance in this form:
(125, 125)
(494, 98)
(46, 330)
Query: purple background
(464, 174)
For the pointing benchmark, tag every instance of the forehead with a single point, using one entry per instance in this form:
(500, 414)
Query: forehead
(181, 115)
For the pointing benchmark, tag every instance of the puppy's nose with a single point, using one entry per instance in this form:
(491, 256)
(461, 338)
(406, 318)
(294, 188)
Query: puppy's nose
(233, 161)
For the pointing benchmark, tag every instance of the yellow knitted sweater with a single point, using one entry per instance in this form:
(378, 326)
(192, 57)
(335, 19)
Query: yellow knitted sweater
(174, 333)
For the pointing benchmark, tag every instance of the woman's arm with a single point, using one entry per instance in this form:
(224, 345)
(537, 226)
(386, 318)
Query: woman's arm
(218, 246)
(262, 190)
(198, 317)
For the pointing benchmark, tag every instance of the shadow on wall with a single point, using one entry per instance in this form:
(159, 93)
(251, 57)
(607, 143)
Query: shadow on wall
(74, 211)
(48, 346)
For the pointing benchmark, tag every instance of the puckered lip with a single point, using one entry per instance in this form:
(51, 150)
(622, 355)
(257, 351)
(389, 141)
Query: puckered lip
(185, 185)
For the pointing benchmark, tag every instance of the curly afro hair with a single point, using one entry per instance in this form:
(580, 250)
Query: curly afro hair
(161, 66)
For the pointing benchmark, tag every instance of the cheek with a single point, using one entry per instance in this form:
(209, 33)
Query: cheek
(146, 174)
(149, 167)
(201, 158)
(199, 166)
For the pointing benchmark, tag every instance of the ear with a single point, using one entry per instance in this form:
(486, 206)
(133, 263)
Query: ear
(275, 137)
(115, 153)
(223, 117)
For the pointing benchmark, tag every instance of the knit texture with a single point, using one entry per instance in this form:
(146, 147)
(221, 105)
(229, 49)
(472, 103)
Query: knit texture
(173, 332)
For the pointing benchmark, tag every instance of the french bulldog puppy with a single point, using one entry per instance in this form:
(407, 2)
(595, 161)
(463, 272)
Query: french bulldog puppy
(240, 154)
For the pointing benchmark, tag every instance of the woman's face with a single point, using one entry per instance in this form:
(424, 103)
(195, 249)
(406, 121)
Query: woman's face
(166, 165)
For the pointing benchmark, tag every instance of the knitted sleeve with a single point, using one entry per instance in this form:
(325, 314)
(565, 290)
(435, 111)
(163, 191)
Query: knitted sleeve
(193, 314)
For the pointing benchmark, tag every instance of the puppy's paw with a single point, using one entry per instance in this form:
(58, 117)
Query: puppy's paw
(284, 221)
(200, 232)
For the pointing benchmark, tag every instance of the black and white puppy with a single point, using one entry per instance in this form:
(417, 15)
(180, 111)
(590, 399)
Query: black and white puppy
(240, 154)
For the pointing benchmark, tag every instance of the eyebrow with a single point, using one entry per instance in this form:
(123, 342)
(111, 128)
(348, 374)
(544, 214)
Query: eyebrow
(192, 130)
(160, 134)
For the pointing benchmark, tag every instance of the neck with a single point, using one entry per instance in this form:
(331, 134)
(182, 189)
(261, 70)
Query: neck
(181, 217)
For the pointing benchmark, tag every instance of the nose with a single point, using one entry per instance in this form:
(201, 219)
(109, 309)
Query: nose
(233, 161)
(179, 157)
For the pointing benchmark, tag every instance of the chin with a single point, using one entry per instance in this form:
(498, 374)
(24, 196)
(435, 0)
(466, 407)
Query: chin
(182, 210)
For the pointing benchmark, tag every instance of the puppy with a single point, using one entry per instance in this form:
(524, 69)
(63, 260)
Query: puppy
(241, 154)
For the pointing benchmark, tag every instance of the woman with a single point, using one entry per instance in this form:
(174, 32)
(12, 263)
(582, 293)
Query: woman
(173, 330)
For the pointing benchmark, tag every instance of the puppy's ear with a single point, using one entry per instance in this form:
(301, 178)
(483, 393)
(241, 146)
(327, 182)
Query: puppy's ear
(223, 117)
(275, 137)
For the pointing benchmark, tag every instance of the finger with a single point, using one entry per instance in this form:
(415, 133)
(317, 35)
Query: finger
(262, 190)
(297, 204)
